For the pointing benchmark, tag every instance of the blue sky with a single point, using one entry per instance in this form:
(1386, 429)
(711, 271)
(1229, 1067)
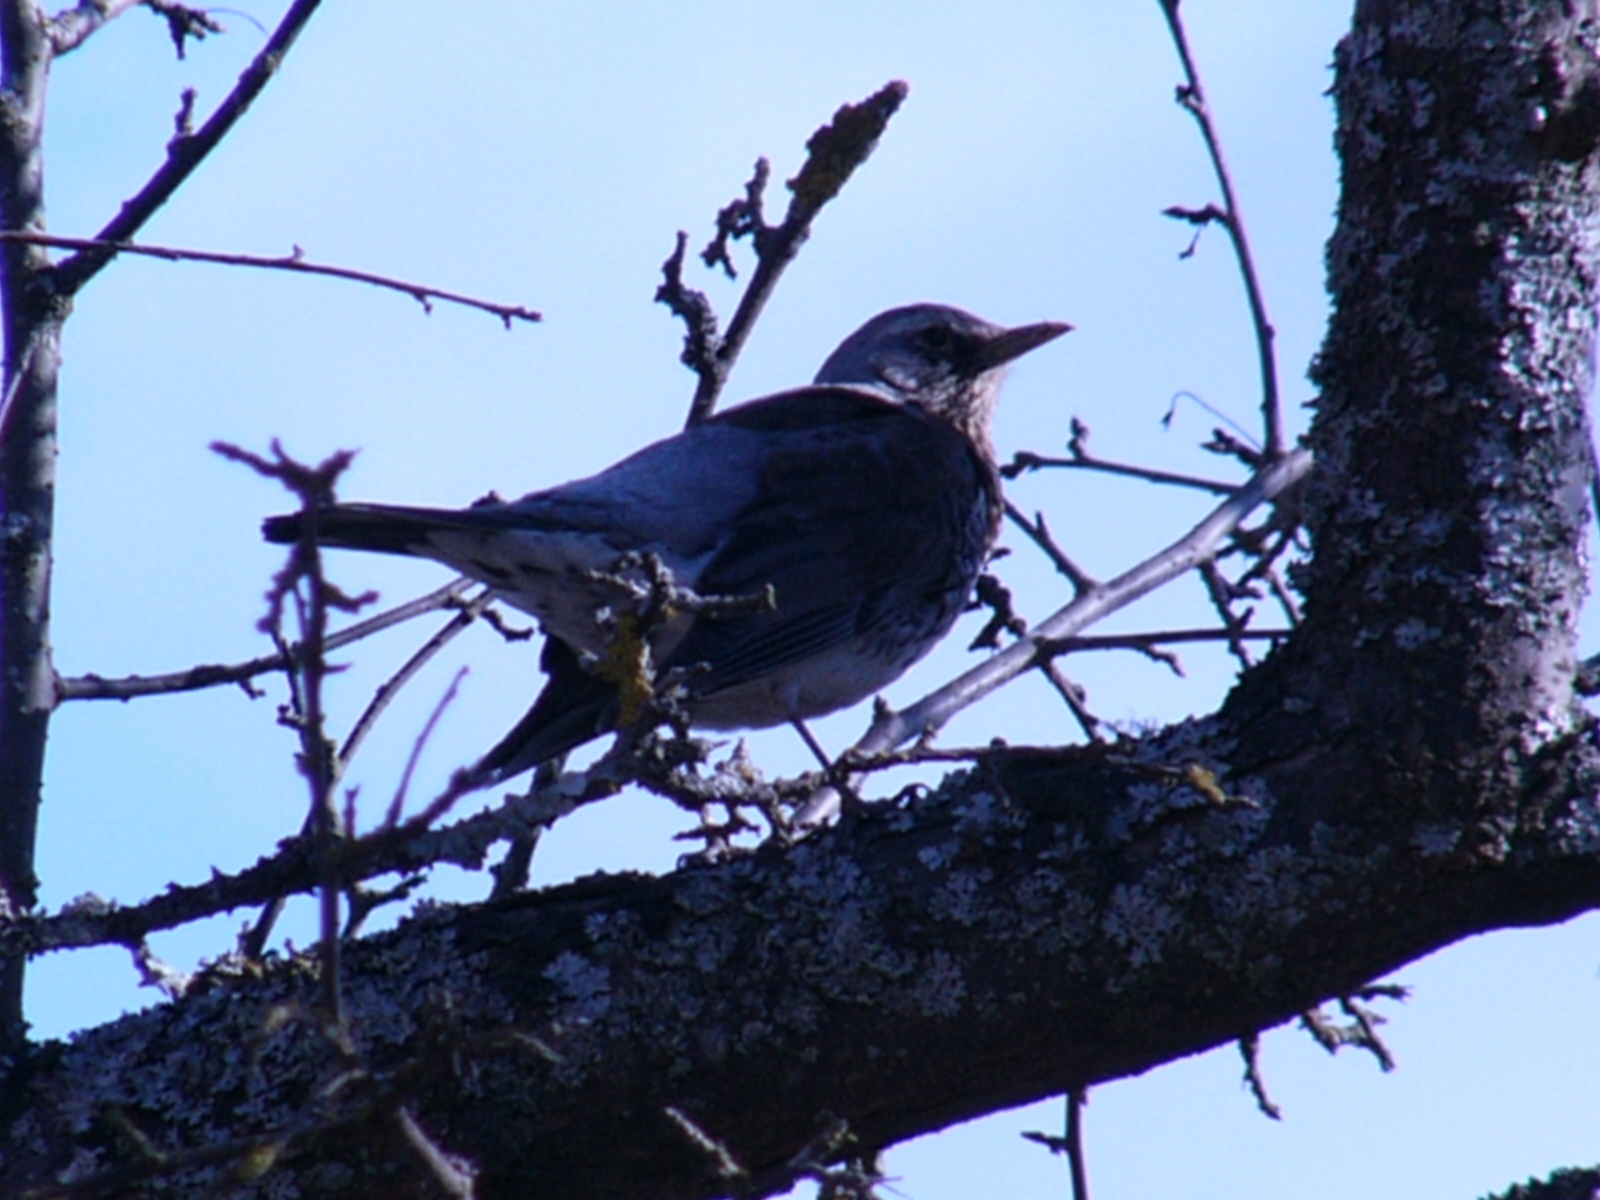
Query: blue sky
(546, 154)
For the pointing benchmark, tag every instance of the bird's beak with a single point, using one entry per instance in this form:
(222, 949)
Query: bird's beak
(1014, 343)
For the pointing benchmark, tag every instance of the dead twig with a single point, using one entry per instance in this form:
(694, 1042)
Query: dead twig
(295, 260)
(833, 154)
(129, 687)
(1191, 97)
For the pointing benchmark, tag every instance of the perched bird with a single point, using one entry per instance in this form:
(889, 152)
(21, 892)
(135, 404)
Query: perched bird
(868, 502)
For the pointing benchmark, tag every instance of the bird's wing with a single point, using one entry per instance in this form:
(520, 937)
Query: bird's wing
(862, 507)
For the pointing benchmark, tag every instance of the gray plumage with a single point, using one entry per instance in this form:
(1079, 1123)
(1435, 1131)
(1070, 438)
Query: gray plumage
(867, 501)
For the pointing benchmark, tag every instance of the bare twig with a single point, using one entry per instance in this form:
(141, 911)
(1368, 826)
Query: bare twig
(129, 687)
(314, 488)
(72, 27)
(1069, 1142)
(1250, 1051)
(1191, 96)
(890, 729)
(1072, 695)
(1222, 595)
(1362, 1031)
(1184, 555)
(1150, 643)
(455, 1176)
(1003, 616)
(727, 1167)
(297, 866)
(1078, 456)
(511, 873)
(184, 154)
(833, 154)
(693, 308)
(390, 688)
(1039, 533)
(423, 294)
(1024, 461)
(184, 22)
(1169, 418)
(397, 805)
(156, 973)
(1076, 1100)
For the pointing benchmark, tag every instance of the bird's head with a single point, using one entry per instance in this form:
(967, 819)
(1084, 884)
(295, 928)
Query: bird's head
(940, 359)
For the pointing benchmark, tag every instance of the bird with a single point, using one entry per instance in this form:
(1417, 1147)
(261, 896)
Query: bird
(865, 505)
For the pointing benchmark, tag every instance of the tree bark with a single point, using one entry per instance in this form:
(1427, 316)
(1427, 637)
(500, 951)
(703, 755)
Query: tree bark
(31, 312)
(1412, 768)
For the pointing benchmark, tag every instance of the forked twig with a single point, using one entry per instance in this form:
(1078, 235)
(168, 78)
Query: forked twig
(833, 153)
(1191, 96)
(890, 729)
(129, 687)
(185, 152)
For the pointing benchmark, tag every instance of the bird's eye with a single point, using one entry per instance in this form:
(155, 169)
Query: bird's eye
(937, 342)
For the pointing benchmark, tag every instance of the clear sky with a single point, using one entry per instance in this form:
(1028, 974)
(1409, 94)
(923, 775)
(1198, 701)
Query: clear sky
(546, 154)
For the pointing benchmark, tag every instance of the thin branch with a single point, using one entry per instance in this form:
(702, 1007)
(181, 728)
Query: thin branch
(454, 1176)
(990, 593)
(890, 729)
(1077, 1099)
(296, 867)
(423, 294)
(390, 688)
(184, 154)
(1285, 598)
(1147, 642)
(397, 805)
(1078, 456)
(1039, 533)
(1026, 460)
(1069, 1142)
(833, 153)
(129, 687)
(314, 488)
(1192, 97)
(1222, 596)
(1184, 555)
(184, 23)
(1073, 696)
(1170, 417)
(1362, 1032)
(1250, 1051)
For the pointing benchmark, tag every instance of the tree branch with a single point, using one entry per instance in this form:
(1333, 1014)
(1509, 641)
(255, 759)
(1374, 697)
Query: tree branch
(833, 154)
(31, 317)
(1192, 98)
(423, 294)
(1198, 546)
(185, 152)
(129, 687)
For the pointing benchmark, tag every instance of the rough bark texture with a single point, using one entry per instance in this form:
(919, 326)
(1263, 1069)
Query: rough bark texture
(1411, 769)
(33, 312)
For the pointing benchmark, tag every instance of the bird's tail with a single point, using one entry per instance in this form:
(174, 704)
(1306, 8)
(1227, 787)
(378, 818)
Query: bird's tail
(575, 707)
(384, 528)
